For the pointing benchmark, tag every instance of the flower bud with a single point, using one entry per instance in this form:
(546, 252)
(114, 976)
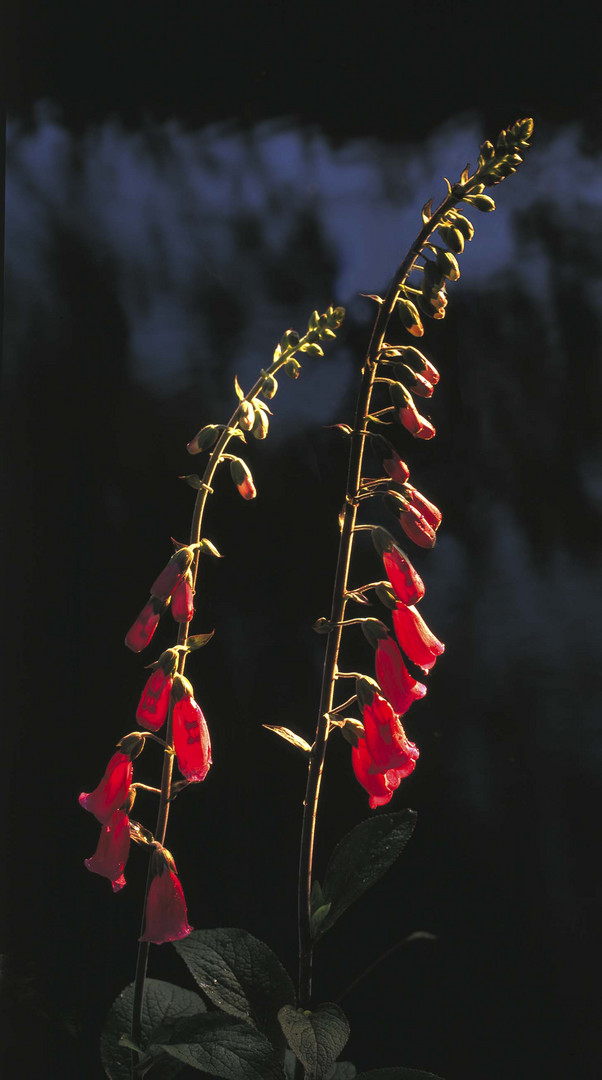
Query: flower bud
(292, 368)
(163, 586)
(408, 313)
(261, 424)
(452, 237)
(245, 417)
(389, 459)
(142, 630)
(463, 225)
(374, 630)
(419, 501)
(182, 601)
(482, 202)
(418, 383)
(448, 264)
(269, 387)
(405, 581)
(289, 340)
(204, 439)
(242, 479)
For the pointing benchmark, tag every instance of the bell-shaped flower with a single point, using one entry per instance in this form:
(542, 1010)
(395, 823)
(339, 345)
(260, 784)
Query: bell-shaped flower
(429, 511)
(166, 917)
(113, 789)
(386, 739)
(415, 423)
(112, 851)
(406, 582)
(380, 786)
(192, 742)
(163, 586)
(415, 638)
(182, 601)
(154, 702)
(416, 527)
(393, 677)
(142, 630)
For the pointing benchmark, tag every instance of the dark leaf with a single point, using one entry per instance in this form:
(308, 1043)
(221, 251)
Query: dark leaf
(343, 1070)
(361, 858)
(163, 1003)
(239, 974)
(317, 1037)
(219, 1045)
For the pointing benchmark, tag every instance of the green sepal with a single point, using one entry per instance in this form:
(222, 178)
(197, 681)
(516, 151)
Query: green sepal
(207, 545)
(312, 348)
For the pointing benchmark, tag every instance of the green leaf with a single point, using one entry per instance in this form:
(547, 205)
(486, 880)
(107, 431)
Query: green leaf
(361, 858)
(163, 1002)
(317, 1037)
(198, 641)
(397, 1073)
(239, 974)
(318, 917)
(290, 736)
(219, 1045)
(343, 1070)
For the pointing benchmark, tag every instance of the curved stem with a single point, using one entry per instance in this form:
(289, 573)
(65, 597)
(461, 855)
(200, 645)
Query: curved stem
(339, 598)
(217, 455)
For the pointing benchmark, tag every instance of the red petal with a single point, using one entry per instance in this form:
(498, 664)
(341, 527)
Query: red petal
(166, 915)
(415, 638)
(406, 583)
(191, 740)
(394, 679)
(112, 791)
(154, 703)
(113, 849)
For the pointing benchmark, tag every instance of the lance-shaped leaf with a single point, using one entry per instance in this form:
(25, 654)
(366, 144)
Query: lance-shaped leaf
(316, 1038)
(290, 736)
(219, 1045)
(163, 1004)
(239, 974)
(397, 1073)
(361, 858)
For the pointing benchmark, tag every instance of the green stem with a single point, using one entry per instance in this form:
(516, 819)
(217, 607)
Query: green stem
(339, 598)
(203, 493)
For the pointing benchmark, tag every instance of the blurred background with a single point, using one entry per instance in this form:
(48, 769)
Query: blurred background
(184, 182)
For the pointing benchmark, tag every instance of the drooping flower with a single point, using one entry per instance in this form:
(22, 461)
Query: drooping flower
(172, 574)
(389, 459)
(415, 423)
(113, 848)
(394, 679)
(113, 789)
(415, 638)
(192, 742)
(154, 702)
(142, 630)
(380, 786)
(407, 584)
(429, 511)
(166, 917)
(386, 739)
(416, 527)
(182, 601)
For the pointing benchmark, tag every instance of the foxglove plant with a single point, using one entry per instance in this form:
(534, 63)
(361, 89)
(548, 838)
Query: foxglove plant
(258, 1024)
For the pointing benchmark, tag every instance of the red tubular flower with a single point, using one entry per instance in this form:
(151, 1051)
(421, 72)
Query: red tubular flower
(154, 703)
(182, 601)
(415, 638)
(113, 849)
(406, 583)
(380, 786)
(415, 423)
(166, 917)
(142, 630)
(192, 743)
(386, 740)
(394, 679)
(422, 386)
(113, 789)
(416, 526)
(163, 586)
(389, 459)
(429, 511)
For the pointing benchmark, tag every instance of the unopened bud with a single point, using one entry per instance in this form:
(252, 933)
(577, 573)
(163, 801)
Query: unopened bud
(408, 313)
(464, 226)
(374, 631)
(482, 202)
(292, 368)
(269, 387)
(261, 425)
(289, 340)
(452, 237)
(242, 478)
(204, 439)
(245, 416)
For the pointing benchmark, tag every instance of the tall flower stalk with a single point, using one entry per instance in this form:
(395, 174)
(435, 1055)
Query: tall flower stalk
(418, 287)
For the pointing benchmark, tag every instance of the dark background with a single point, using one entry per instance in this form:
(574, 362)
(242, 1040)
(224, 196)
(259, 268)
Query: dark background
(504, 866)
